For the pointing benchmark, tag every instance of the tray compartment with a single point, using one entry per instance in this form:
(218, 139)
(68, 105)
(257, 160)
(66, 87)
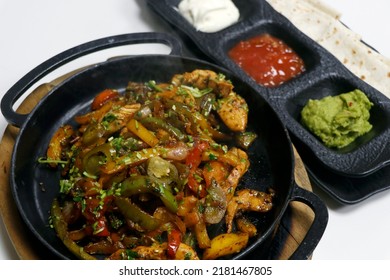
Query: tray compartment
(299, 45)
(249, 10)
(331, 86)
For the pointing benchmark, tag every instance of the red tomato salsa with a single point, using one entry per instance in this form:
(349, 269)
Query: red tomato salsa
(267, 59)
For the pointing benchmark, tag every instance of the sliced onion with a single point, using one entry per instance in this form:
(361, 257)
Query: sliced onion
(179, 152)
(162, 171)
(144, 112)
(215, 204)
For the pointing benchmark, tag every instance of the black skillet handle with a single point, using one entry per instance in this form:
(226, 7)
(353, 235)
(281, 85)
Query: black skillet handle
(314, 234)
(18, 89)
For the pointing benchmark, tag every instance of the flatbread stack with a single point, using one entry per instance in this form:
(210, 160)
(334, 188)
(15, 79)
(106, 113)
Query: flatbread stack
(322, 24)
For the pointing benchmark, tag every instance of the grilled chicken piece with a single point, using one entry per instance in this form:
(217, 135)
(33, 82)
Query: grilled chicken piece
(236, 173)
(247, 200)
(203, 79)
(232, 108)
(233, 111)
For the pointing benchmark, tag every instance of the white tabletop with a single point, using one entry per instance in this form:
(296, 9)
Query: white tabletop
(33, 31)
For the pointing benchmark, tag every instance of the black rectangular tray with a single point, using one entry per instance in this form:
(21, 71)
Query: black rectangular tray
(361, 163)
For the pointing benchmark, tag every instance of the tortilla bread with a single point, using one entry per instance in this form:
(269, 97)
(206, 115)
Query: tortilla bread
(322, 23)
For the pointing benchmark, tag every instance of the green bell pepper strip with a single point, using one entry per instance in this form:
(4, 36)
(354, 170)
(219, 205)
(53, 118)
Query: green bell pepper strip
(245, 139)
(134, 213)
(93, 133)
(94, 158)
(153, 123)
(197, 120)
(207, 104)
(61, 228)
(143, 184)
(118, 164)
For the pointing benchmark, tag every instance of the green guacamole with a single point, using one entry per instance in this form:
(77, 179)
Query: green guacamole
(338, 120)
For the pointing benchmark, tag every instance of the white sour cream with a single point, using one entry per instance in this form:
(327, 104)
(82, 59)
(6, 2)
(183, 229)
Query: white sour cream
(209, 15)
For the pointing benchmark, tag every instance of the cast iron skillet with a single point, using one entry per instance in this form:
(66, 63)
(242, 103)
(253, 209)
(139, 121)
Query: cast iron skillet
(34, 186)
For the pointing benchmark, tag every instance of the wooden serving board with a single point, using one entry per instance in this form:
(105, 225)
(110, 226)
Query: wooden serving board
(28, 248)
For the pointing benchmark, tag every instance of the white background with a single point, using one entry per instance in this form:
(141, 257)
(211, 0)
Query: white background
(33, 31)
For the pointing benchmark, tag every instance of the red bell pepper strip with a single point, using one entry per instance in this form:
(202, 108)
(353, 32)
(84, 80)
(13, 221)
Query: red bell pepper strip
(193, 160)
(94, 214)
(100, 227)
(174, 240)
(103, 97)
